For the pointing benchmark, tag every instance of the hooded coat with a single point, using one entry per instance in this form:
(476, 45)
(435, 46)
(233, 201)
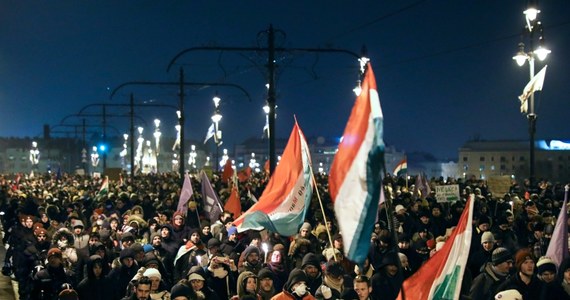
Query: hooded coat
(92, 288)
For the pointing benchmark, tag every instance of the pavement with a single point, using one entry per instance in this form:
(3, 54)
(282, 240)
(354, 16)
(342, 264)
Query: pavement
(7, 286)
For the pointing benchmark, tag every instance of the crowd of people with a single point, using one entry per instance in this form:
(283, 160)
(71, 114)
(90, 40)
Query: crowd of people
(66, 239)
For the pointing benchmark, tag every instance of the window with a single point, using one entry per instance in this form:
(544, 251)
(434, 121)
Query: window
(492, 158)
(482, 158)
(464, 158)
(503, 167)
(521, 158)
(503, 159)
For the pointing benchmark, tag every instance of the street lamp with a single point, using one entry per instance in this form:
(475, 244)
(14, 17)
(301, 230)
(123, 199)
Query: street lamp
(94, 157)
(541, 52)
(224, 158)
(216, 118)
(157, 135)
(140, 141)
(35, 155)
(124, 152)
(192, 157)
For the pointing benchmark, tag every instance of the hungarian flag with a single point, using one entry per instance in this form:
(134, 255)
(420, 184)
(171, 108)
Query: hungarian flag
(233, 204)
(285, 201)
(401, 167)
(104, 187)
(440, 277)
(558, 247)
(185, 195)
(355, 179)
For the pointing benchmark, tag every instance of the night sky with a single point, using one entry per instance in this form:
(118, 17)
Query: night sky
(444, 69)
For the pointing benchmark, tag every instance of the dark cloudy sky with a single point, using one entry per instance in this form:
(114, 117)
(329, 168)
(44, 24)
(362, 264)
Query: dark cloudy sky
(444, 68)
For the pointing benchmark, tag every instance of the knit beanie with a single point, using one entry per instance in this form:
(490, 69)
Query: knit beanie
(232, 230)
(306, 226)
(152, 272)
(508, 295)
(265, 273)
(501, 255)
(179, 290)
(544, 264)
(487, 237)
(521, 256)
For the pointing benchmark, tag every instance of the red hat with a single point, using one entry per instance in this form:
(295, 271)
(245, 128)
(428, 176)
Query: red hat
(40, 230)
(54, 251)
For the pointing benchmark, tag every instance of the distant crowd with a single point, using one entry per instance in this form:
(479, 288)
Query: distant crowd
(67, 239)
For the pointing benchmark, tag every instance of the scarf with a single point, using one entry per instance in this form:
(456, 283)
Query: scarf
(336, 284)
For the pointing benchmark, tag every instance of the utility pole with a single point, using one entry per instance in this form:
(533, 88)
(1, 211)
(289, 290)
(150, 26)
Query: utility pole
(271, 50)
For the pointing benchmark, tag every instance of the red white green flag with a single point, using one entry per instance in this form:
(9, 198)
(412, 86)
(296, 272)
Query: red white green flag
(441, 276)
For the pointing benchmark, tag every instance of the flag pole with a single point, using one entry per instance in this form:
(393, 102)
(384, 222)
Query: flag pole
(322, 210)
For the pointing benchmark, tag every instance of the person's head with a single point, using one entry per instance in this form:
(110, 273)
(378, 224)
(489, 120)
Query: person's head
(436, 211)
(142, 288)
(362, 287)
(334, 271)
(127, 257)
(178, 219)
(488, 241)
(206, 230)
(181, 291)
(524, 262)
(155, 278)
(509, 295)
(538, 230)
(546, 269)
(29, 222)
(390, 264)
(232, 233)
(305, 230)
(252, 255)
(40, 234)
(484, 223)
(276, 256)
(165, 232)
(251, 284)
(54, 257)
(311, 265)
(96, 265)
(196, 278)
(404, 262)
(213, 246)
(296, 283)
(195, 237)
(94, 238)
(265, 280)
(337, 242)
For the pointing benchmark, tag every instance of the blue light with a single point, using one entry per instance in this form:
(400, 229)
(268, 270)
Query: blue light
(102, 147)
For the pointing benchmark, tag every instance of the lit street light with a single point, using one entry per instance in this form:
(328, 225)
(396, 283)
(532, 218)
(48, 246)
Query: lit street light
(192, 157)
(216, 118)
(35, 155)
(533, 25)
(124, 152)
(157, 135)
(94, 157)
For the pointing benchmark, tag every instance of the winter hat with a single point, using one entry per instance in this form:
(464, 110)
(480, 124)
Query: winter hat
(295, 276)
(196, 273)
(265, 273)
(521, 256)
(334, 269)
(310, 259)
(232, 230)
(544, 264)
(137, 248)
(54, 251)
(78, 223)
(483, 219)
(508, 295)
(213, 242)
(68, 294)
(39, 231)
(307, 226)
(399, 207)
(127, 252)
(180, 290)
(487, 237)
(501, 255)
(152, 272)
(147, 248)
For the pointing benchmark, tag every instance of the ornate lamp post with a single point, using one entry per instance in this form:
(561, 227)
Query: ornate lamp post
(34, 155)
(157, 135)
(533, 25)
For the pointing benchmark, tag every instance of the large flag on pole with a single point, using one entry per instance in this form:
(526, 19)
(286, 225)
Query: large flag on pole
(285, 201)
(212, 206)
(440, 277)
(104, 187)
(535, 84)
(185, 195)
(401, 167)
(558, 247)
(356, 173)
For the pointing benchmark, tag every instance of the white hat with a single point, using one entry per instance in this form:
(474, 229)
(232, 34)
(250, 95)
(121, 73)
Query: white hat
(508, 295)
(399, 207)
(152, 272)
